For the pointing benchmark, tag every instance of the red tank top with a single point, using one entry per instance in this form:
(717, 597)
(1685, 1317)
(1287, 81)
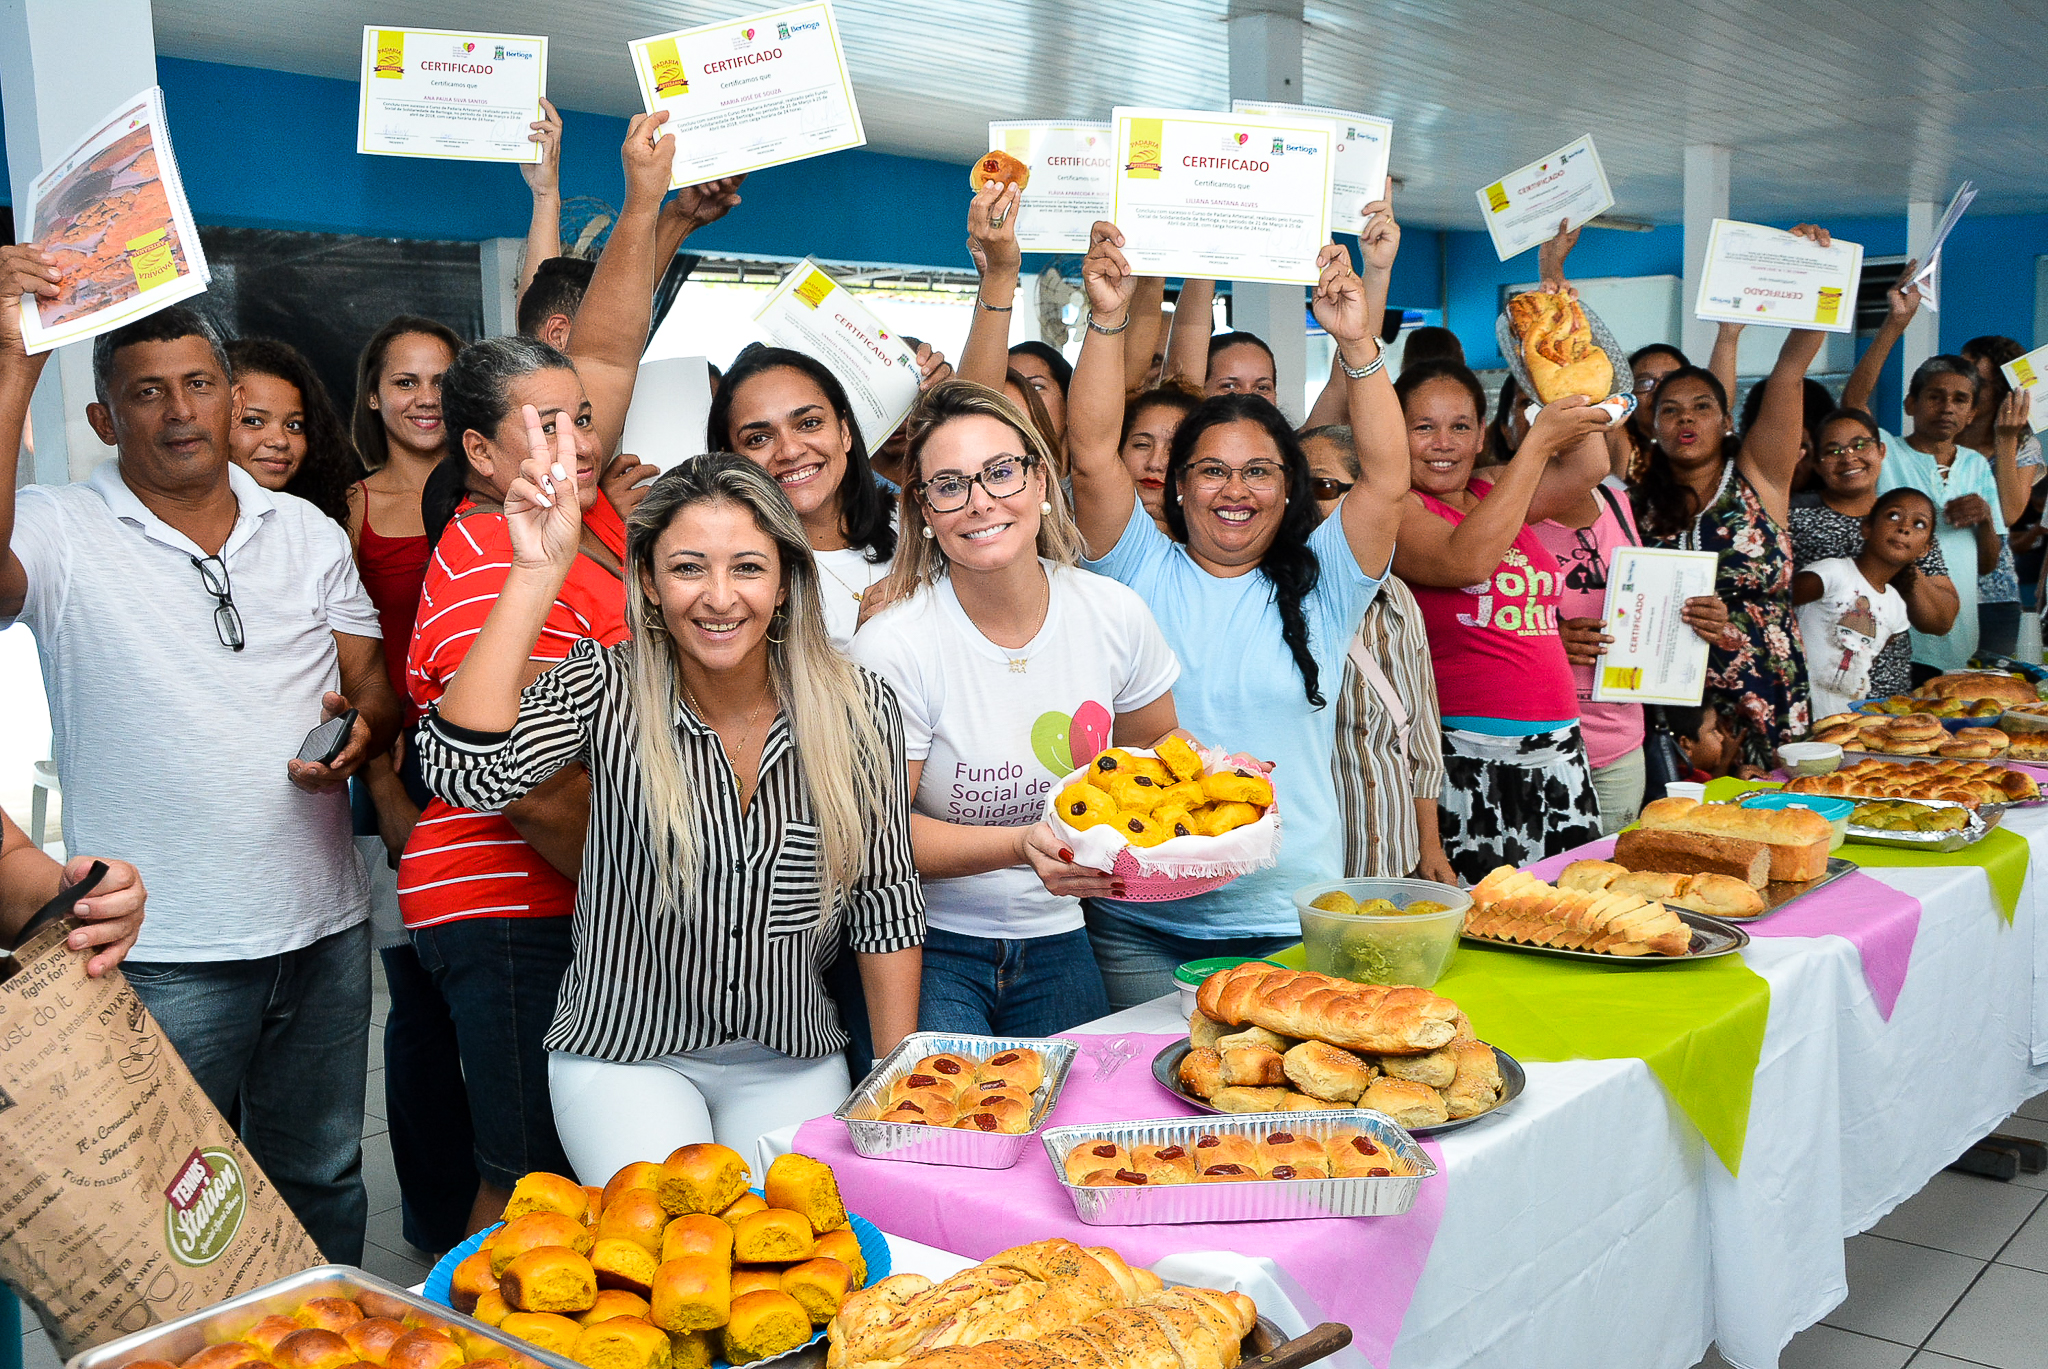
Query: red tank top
(393, 568)
(1494, 644)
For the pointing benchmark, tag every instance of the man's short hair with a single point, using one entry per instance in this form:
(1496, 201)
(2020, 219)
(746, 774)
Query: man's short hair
(557, 288)
(166, 325)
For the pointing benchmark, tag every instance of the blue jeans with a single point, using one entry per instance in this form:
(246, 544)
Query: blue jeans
(1138, 961)
(288, 1038)
(500, 977)
(432, 1145)
(1031, 987)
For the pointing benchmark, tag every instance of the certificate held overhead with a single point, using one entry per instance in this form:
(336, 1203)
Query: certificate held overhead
(1756, 274)
(1069, 168)
(445, 93)
(751, 92)
(809, 312)
(1523, 208)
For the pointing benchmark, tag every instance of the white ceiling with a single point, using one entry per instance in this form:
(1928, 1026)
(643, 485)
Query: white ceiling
(1832, 107)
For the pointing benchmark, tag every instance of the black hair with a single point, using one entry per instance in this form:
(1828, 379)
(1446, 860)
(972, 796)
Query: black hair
(557, 287)
(1041, 420)
(1219, 341)
(1685, 720)
(1288, 563)
(475, 397)
(331, 465)
(863, 506)
(1062, 369)
(1996, 350)
(373, 444)
(1421, 373)
(1497, 449)
(1946, 364)
(1432, 343)
(1663, 504)
(1168, 394)
(1654, 349)
(165, 325)
(1814, 399)
(1860, 417)
(1899, 495)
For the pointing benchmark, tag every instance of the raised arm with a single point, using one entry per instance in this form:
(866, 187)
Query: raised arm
(1770, 449)
(2009, 430)
(1148, 320)
(1727, 339)
(544, 179)
(1187, 343)
(24, 270)
(1902, 301)
(1379, 241)
(1349, 308)
(1103, 492)
(992, 242)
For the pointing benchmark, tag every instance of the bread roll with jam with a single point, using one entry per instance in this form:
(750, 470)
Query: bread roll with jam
(1020, 1067)
(1090, 1156)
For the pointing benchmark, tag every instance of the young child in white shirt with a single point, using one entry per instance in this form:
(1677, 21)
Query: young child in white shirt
(1849, 607)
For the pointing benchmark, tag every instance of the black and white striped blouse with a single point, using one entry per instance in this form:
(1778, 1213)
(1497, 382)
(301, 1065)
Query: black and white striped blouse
(745, 965)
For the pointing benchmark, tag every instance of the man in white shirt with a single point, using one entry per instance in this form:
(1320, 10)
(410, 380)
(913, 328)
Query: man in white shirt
(193, 628)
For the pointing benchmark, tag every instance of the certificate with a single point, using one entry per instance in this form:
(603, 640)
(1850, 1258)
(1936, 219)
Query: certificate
(445, 93)
(1754, 274)
(1359, 149)
(809, 313)
(112, 211)
(1222, 196)
(750, 93)
(671, 404)
(1072, 179)
(1523, 208)
(1656, 657)
(2030, 373)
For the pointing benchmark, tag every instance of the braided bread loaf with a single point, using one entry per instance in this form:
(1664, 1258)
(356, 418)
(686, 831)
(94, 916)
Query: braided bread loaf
(1381, 1019)
(1172, 1328)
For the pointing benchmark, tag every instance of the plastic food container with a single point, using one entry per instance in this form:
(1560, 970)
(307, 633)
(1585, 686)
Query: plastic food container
(1686, 789)
(1402, 949)
(928, 1145)
(1810, 758)
(1187, 980)
(1835, 810)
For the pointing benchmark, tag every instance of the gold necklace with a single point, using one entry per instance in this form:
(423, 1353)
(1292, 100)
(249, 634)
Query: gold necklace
(698, 709)
(858, 595)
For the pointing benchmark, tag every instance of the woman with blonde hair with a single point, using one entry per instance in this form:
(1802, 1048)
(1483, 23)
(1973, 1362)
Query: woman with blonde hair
(747, 799)
(1013, 668)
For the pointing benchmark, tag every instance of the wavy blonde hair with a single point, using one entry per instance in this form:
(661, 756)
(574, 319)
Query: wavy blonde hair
(919, 559)
(846, 761)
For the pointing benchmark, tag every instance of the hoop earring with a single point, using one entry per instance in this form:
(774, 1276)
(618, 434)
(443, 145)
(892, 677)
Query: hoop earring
(778, 618)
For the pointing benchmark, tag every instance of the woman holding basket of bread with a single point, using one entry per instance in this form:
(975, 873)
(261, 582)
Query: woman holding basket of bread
(746, 802)
(1259, 598)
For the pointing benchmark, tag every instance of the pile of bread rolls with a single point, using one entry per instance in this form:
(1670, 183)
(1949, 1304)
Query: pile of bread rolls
(953, 1090)
(331, 1333)
(1914, 734)
(1045, 1305)
(669, 1266)
(1966, 782)
(1229, 1158)
(1266, 1039)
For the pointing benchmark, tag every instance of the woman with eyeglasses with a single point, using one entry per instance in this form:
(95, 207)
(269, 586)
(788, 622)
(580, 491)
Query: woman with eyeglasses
(1827, 524)
(1013, 668)
(1256, 593)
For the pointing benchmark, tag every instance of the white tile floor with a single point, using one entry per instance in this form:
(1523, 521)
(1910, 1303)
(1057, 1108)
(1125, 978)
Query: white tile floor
(1956, 1277)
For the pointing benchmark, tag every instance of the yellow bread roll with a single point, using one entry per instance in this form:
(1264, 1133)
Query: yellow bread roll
(551, 1279)
(819, 1286)
(614, 1302)
(844, 1246)
(620, 1263)
(424, 1348)
(548, 1330)
(751, 1278)
(640, 1174)
(490, 1309)
(328, 1314)
(772, 1235)
(746, 1205)
(266, 1334)
(702, 1178)
(543, 1192)
(692, 1349)
(535, 1231)
(471, 1280)
(635, 1215)
(801, 1184)
(693, 1293)
(699, 1233)
(622, 1343)
(765, 1324)
(372, 1337)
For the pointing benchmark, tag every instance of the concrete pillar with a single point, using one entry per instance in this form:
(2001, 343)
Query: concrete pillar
(1706, 199)
(1265, 64)
(58, 77)
(499, 261)
(1923, 335)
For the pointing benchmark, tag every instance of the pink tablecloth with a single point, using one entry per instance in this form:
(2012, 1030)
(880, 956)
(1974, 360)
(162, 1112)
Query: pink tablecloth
(1878, 920)
(977, 1212)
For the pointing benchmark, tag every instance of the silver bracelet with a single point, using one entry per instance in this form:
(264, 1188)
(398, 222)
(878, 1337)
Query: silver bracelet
(1379, 362)
(992, 308)
(1095, 327)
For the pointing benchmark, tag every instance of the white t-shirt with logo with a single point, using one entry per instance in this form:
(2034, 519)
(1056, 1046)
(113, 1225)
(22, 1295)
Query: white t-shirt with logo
(997, 729)
(1843, 631)
(843, 577)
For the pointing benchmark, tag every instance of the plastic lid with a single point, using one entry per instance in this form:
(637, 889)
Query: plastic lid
(1195, 971)
(1827, 805)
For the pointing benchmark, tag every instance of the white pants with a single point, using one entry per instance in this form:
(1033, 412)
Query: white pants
(609, 1115)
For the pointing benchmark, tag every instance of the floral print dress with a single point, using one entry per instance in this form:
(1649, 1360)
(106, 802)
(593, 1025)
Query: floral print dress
(1757, 671)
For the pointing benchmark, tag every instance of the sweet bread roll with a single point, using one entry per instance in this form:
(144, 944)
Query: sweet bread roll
(1221, 1148)
(1090, 1156)
(1255, 1036)
(620, 1263)
(552, 1278)
(954, 1069)
(1249, 1099)
(702, 1178)
(1306, 1005)
(426, 1348)
(921, 1084)
(1000, 167)
(987, 1093)
(744, 1206)
(927, 1111)
(1301, 1155)
(614, 1302)
(1228, 1172)
(1436, 1069)
(806, 1186)
(543, 1192)
(635, 1215)
(1170, 1164)
(1020, 1067)
(266, 1334)
(1239, 786)
(536, 1231)
(1959, 747)
(1980, 684)
(844, 1246)
(1477, 1085)
(328, 1314)
(372, 1337)
(776, 1235)
(1140, 829)
(1557, 345)
(1302, 1102)
(1204, 1031)
(997, 1116)
(1410, 1103)
(228, 1355)
(549, 1330)
(698, 1233)
(470, 1280)
(765, 1324)
(1082, 806)
(1218, 818)
(1201, 1072)
(491, 1309)
(622, 1343)
(693, 1293)
(749, 1278)
(639, 1174)
(1355, 1155)
(819, 1286)
(1916, 727)
(594, 1196)
(1115, 763)
(1323, 1071)
(692, 1349)
(1838, 719)
(1187, 794)
(1251, 1066)
(1841, 734)
(1716, 896)
(1180, 759)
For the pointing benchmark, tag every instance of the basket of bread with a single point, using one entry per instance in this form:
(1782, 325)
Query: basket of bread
(676, 1265)
(1949, 715)
(945, 1099)
(1265, 1039)
(1556, 347)
(1972, 784)
(1170, 822)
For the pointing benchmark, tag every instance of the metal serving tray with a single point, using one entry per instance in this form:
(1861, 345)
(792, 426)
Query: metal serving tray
(2001, 762)
(1710, 937)
(1781, 892)
(927, 1145)
(1973, 831)
(1166, 1073)
(1257, 1200)
(177, 1341)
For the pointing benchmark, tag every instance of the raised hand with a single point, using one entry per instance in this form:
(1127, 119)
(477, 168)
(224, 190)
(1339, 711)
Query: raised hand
(1813, 233)
(1107, 276)
(992, 229)
(649, 161)
(698, 205)
(544, 177)
(932, 367)
(1379, 240)
(2014, 416)
(542, 511)
(1550, 258)
(1563, 422)
(1339, 296)
(24, 270)
(1902, 300)
(622, 480)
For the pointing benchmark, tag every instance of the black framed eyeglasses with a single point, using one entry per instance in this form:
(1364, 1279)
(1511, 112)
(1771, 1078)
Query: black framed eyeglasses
(949, 491)
(227, 621)
(1325, 489)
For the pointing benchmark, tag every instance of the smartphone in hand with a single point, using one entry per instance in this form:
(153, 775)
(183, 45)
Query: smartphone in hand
(328, 740)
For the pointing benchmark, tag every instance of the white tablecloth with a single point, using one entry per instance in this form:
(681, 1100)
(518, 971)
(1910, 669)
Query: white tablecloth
(1590, 1224)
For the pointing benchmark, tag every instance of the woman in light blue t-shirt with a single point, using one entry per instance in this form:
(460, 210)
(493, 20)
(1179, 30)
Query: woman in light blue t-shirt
(1259, 603)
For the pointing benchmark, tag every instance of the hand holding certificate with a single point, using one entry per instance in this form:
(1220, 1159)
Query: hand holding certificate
(1222, 196)
(1656, 657)
(1755, 274)
(1523, 208)
(752, 92)
(1072, 175)
(444, 93)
